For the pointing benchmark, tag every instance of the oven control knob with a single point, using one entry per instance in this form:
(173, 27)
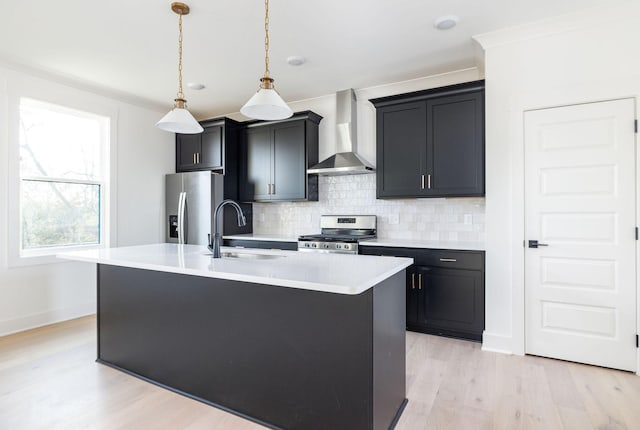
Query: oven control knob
(325, 245)
(338, 246)
(315, 245)
(306, 245)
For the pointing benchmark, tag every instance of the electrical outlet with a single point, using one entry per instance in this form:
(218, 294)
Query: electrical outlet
(468, 219)
(394, 219)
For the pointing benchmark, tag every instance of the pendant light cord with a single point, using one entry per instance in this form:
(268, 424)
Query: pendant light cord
(180, 93)
(266, 38)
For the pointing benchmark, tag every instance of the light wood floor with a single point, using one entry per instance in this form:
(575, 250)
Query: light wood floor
(49, 380)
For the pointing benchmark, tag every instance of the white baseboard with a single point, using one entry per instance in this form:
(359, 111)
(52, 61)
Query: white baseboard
(45, 318)
(497, 343)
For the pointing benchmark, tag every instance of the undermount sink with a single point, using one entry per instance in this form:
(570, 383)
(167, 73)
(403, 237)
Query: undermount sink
(249, 255)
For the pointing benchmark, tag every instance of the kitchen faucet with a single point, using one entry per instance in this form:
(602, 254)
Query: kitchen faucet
(242, 221)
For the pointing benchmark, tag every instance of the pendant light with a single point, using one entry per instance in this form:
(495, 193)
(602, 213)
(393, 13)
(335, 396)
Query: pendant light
(266, 103)
(179, 119)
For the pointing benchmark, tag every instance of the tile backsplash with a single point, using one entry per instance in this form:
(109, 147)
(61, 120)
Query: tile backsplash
(448, 219)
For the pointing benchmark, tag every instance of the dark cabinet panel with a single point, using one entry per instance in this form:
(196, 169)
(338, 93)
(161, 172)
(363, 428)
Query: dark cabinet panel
(256, 164)
(289, 167)
(275, 157)
(452, 301)
(403, 129)
(213, 149)
(187, 146)
(445, 290)
(413, 298)
(455, 144)
(431, 143)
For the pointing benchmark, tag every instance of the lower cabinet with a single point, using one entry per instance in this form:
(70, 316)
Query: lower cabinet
(445, 290)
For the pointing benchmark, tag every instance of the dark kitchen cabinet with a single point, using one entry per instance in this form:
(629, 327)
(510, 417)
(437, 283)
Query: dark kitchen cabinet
(431, 143)
(213, 149)
(445, 290)
(275, 157)
(414, 293)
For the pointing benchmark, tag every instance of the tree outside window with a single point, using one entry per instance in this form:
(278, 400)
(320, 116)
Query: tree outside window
(63, 167)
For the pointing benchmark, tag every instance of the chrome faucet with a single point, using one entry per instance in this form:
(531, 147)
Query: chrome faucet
(242, 221)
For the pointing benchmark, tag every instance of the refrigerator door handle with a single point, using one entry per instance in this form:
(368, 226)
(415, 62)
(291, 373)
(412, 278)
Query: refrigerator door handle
(182, 200)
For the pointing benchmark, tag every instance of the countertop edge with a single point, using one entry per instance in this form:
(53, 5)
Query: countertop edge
(302, 285)
(452, 246)
(391, 243)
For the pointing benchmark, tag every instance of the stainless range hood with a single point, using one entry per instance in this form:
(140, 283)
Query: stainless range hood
(346, 161)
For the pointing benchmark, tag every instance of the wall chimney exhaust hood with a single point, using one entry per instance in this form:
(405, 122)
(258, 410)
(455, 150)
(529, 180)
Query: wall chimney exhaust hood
(346, 161)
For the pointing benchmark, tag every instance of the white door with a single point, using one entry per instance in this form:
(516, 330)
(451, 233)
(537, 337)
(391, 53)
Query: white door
(580, 288)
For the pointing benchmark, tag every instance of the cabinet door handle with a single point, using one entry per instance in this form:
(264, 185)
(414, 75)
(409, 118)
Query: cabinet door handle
(194, 158)
(413, 281)
(198, 157)
(448, 260)
(419, 281)
(269, 189)
(422, 182)
(273, 188)
(429, 181)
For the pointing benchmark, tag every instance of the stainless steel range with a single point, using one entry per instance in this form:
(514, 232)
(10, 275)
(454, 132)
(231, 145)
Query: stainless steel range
(339, 233)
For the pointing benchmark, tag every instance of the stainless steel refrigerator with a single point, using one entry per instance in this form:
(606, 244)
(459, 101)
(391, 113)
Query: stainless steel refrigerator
(190, 201)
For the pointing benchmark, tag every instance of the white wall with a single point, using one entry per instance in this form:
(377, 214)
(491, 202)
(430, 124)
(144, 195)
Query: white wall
(36, 295)
(571, 59)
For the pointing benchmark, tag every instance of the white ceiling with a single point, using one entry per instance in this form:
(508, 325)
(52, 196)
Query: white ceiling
(131, 47)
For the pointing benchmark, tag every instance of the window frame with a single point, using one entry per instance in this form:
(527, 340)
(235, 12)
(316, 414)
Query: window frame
(62, 99)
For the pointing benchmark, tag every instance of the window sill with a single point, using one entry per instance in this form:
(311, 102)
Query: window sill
(47, 257)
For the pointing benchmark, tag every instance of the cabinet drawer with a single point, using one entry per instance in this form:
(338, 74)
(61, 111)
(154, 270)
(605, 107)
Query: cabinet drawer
(472, 260)
(454, 259)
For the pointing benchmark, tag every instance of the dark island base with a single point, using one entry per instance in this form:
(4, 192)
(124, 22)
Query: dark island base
(282, 357)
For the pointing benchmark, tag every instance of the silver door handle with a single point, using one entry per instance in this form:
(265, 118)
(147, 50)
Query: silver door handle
(419, 281)
(422, 182)
(182, 206)
(448, 260)
(429, 181)
(273, 188)
(198, 157)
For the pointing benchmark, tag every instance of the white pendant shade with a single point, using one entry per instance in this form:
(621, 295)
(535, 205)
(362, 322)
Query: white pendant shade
(266, 104)
(179, 120)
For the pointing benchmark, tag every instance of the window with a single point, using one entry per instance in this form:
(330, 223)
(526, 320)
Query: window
(63, 175)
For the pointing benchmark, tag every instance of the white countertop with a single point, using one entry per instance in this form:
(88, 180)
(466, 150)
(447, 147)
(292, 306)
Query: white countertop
(400, 243)
(331, 273)
(431, 244)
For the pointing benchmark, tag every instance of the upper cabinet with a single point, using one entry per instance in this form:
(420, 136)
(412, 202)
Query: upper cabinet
(431, 143)
(274, 159)
(213, 149)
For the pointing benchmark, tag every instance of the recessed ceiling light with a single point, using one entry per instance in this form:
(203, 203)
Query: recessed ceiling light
(446, 22)
(295, 60)
(195, 86)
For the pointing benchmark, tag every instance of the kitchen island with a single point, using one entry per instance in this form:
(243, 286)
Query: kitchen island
(287, 339)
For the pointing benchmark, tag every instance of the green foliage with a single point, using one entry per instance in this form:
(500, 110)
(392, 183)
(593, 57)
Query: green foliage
(59, 214)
